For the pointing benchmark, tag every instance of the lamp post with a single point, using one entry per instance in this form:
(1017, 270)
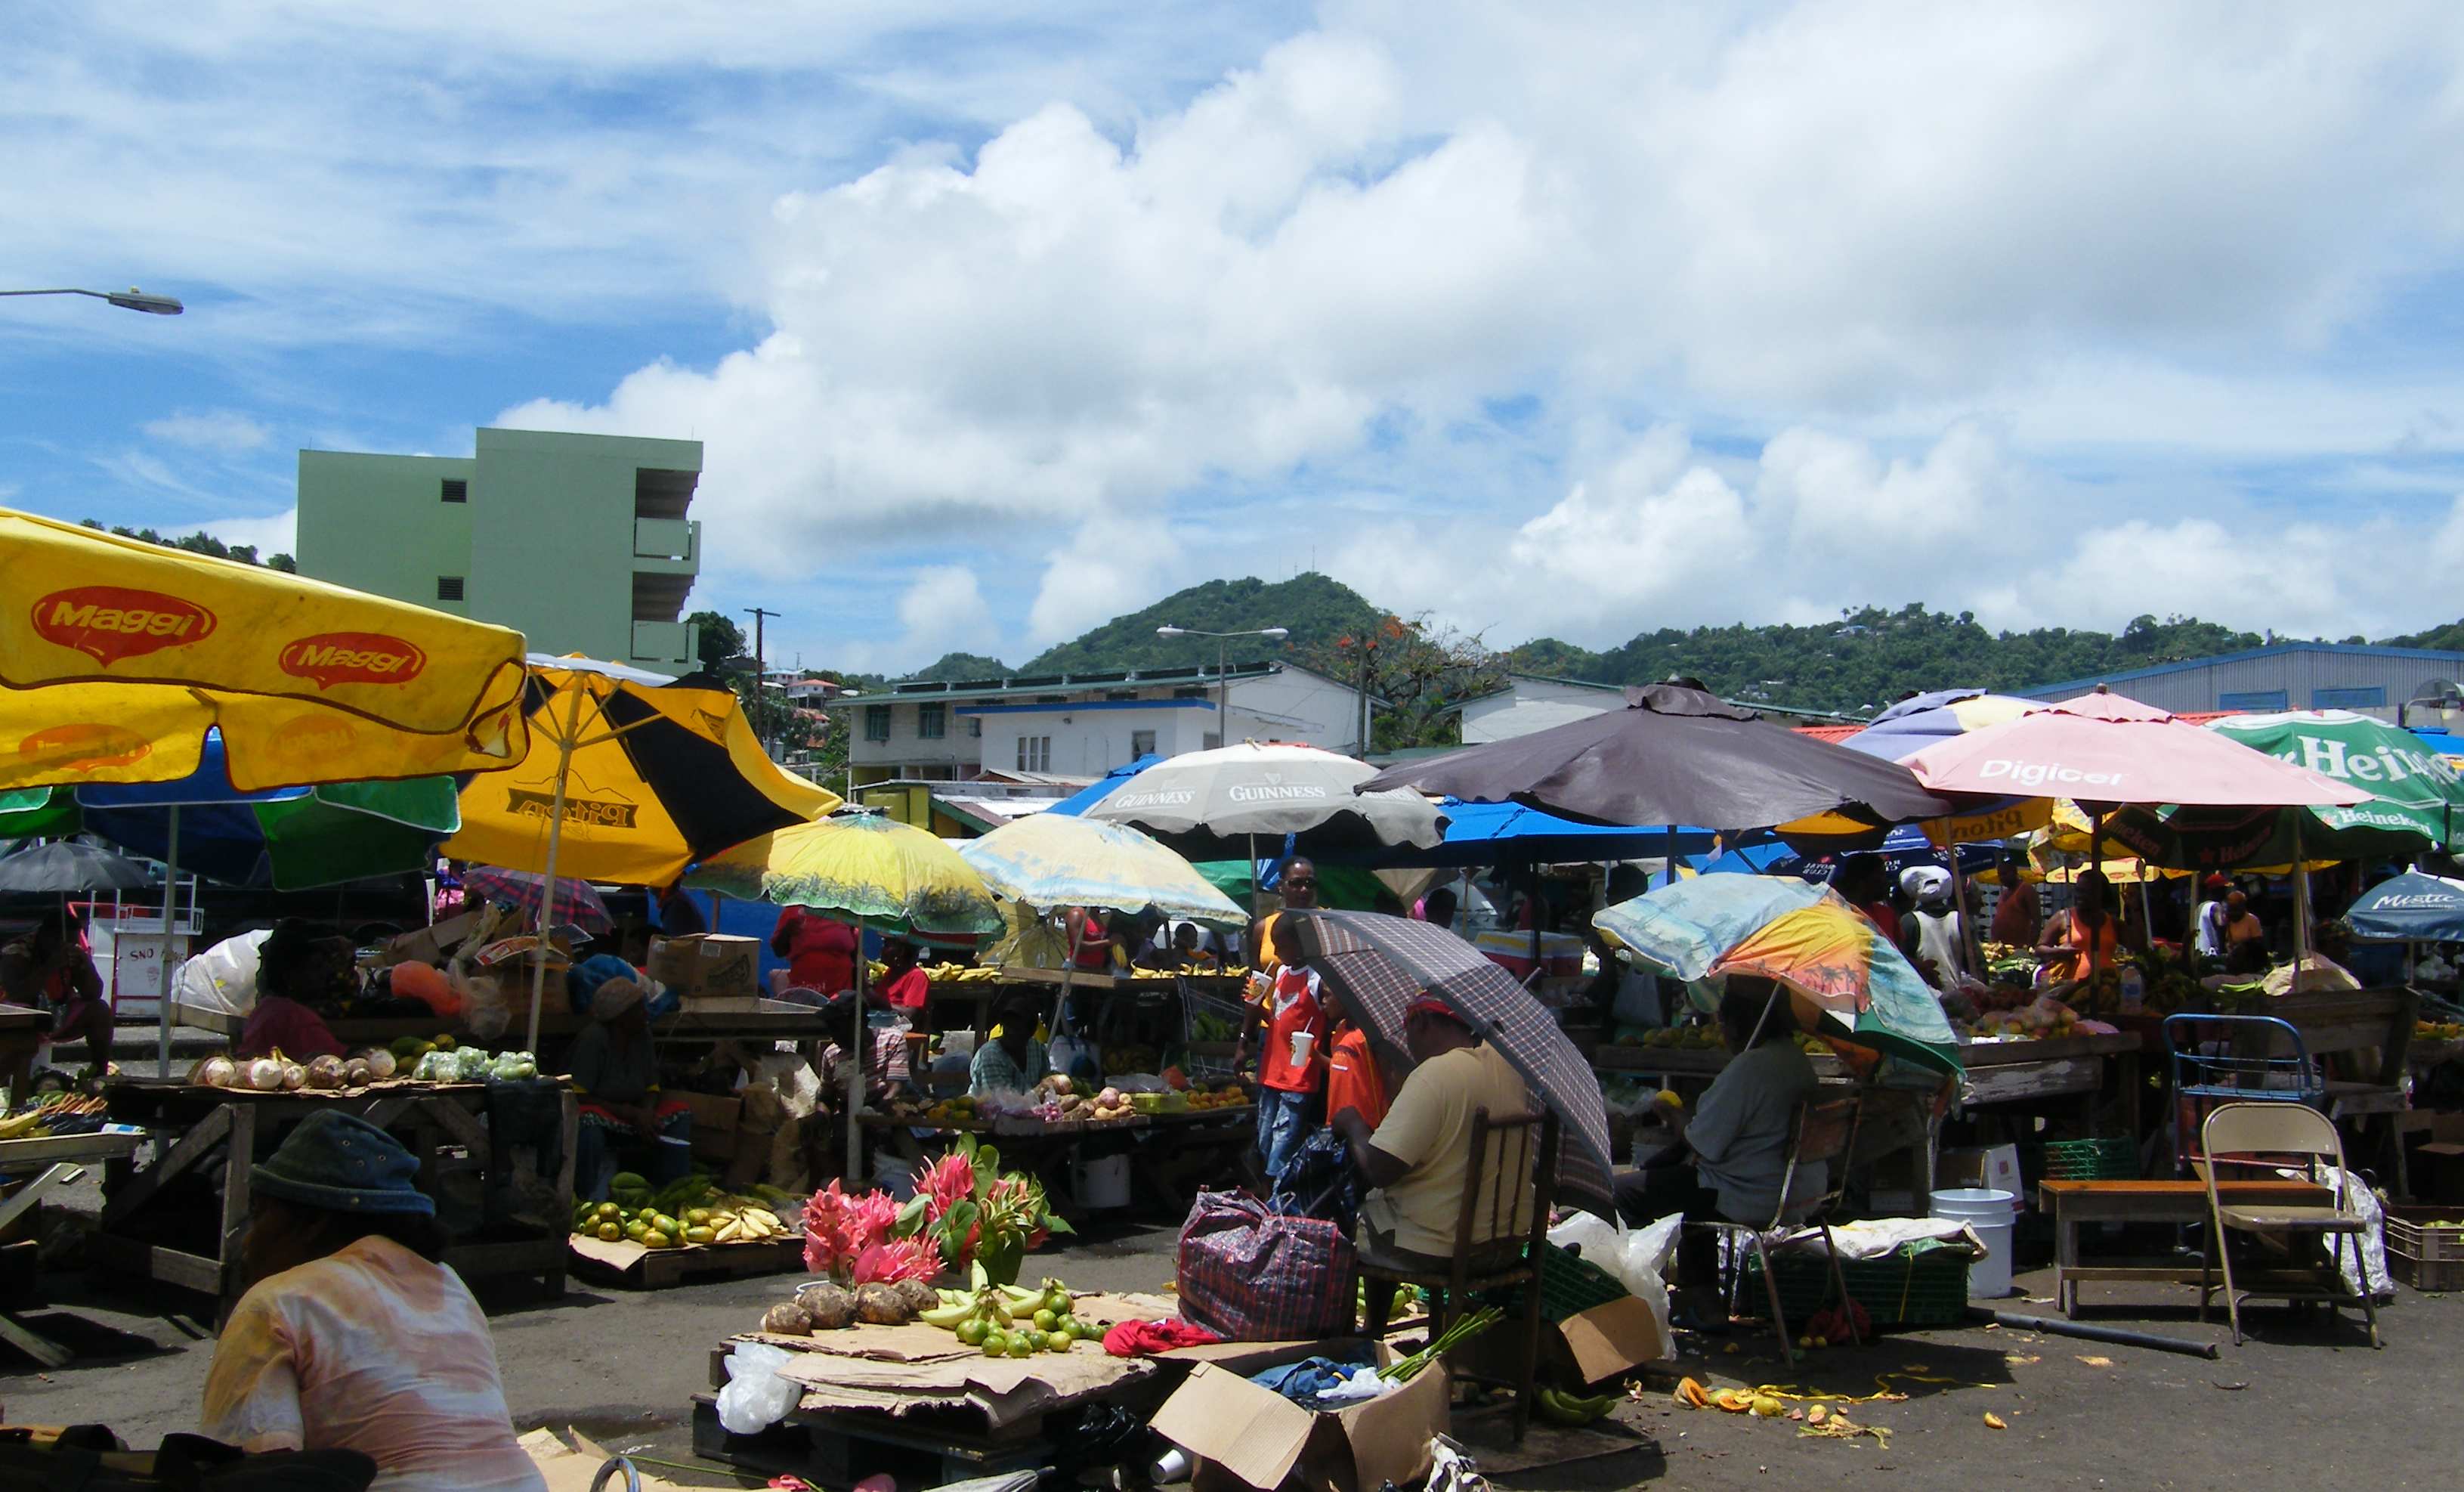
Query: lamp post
(1222, 677)
(130, 300)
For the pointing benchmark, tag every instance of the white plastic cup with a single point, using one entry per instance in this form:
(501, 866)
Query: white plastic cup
(1302, 1042)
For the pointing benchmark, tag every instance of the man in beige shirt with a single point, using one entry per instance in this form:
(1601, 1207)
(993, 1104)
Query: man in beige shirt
(1418, 1158)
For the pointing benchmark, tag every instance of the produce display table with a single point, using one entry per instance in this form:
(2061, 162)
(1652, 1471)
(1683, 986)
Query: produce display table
(2031, 1071)
(56, 1160)
(2074, 1203)
(773, 1021)
(22, 1030)
(155, 1227)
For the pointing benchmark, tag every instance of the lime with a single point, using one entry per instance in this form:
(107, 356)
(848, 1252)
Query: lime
(996, 1347)
(1046, 1320)
(974, 1329)
(1065, 1343)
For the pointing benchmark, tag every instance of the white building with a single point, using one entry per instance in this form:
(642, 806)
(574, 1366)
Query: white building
(1080, 726)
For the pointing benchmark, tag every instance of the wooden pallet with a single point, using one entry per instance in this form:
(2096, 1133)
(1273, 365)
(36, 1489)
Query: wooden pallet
(663, 1269)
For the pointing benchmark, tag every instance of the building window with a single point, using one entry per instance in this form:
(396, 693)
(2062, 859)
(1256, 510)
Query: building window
(2256, 699)
(1214, 739)
(975, 728)
(932, 720)
(2373, 697)
(453, 489)
(449, 587)
(876, 722)
(1035, 753)
(1141, 743)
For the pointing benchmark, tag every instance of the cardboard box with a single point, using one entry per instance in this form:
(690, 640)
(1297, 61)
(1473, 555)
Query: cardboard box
(427, 944)
(1264, 1440)
(709, 965)
(2437, 1168)
(574, 1468)
(1586, 1347)
(715, 1120)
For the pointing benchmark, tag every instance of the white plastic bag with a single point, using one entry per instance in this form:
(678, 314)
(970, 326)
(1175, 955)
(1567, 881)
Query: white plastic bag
(755, 1397)
(1635, 1258)
(223, 977)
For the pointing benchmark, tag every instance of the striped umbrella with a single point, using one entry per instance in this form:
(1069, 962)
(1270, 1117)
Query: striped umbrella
(1377, 965)
(574, 903)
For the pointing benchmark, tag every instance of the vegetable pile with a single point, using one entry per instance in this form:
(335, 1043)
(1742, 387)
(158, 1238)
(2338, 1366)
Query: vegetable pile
(686, 1214)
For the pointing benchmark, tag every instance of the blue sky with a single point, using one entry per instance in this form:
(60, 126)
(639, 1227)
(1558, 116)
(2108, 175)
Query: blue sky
(1561, 317)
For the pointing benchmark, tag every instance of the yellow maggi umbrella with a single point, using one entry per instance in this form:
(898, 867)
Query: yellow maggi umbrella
(626, 781)
(116, 655)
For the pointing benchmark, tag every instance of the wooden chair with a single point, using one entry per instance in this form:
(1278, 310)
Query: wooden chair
(1824, 1132)
(2267, 1136)
(1497, 1248)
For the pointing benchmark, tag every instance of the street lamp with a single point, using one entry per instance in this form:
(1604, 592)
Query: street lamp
(1222, 678)
(131, 298)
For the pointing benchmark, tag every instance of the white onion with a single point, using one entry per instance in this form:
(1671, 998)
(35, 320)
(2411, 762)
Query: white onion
(218, 1072)
(293, 1076)
(265, 1075)
(381, 1063)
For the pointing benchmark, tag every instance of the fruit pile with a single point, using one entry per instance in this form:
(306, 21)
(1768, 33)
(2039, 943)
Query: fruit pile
(55, 1114)
(2437, 1030)
(1560, 1408)
(692, 1212)
(1012, 1320)
(1687, 1038)
(830, 1307)
(1206, 1026)
(949, 973)
(1230, 1095)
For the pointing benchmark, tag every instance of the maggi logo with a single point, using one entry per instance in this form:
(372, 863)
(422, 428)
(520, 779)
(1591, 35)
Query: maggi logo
(82, 748)
(109, 623)
(356, 658)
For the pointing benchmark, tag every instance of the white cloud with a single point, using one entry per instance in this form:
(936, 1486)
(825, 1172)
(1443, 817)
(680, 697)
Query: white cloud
(226, 432)
(943, 611)
(1102, 571)
(279, 534)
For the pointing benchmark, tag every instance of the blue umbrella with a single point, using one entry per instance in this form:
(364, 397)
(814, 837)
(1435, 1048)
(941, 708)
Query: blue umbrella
(2409, 908)
(1086, 797)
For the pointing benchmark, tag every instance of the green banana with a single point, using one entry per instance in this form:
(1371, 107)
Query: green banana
(1564, 1409)
(950, 1317)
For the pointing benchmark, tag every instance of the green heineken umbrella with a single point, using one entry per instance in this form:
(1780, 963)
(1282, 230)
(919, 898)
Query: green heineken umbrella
(2416, 799)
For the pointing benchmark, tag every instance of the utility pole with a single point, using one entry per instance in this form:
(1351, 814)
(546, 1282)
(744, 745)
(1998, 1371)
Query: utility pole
(761, 681)
(1367, 653)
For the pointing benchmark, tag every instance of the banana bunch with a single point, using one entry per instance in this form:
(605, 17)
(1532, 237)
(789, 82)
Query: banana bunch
(747, 1224)
(1012, 1320)
(58, 1113)
(1560, 1408)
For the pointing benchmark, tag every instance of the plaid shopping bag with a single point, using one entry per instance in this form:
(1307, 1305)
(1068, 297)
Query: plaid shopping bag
(1249, 1275)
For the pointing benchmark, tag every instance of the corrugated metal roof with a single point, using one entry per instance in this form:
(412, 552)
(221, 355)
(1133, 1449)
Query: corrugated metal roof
(2353, 650)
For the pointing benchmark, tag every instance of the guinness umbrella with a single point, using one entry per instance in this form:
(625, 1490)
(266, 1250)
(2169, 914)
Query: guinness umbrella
(1377, 965)
(1207, 805)
(1677, 755)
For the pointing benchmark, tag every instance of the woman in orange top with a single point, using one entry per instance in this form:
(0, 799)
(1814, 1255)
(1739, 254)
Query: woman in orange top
(2083, 941)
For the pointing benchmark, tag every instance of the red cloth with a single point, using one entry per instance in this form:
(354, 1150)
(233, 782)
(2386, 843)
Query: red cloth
(1094, 945)
(820, 952)
(1145, 1338)
(1293, 1008)
(906, 992)
(1883, 916)
(287, 1026)
(1351, 1079)
(661, 1109)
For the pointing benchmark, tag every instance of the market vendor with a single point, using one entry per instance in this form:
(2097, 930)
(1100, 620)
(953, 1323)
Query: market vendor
(2244, 940)
(1940, 935)
(2085, 938)
(1418, 1158)
(820, 952)
(355, 1336)
(2019, 913)
(297, 971)
(49, 969)
(905, 987)
(1009, 1061)
(1185, 950)
(1728, 1158)
(615, 1069)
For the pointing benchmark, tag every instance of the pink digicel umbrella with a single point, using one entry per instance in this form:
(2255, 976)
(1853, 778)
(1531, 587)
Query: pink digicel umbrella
(2102, 747)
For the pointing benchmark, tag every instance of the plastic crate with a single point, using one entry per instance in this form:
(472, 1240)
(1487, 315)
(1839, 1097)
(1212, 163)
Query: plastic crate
(1928, 1288)
(1569, 1285)
(2421, 1252)
(2079, 1160)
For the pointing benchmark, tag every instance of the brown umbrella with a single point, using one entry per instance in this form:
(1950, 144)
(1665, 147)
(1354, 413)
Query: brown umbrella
(1678, 755)
(1377, 965)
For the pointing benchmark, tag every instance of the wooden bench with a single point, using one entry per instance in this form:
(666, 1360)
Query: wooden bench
(2072, 1204)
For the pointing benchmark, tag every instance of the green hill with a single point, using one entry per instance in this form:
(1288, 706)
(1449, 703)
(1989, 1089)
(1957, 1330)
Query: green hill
(958, 667)
(1319, 611)
(2449, 638)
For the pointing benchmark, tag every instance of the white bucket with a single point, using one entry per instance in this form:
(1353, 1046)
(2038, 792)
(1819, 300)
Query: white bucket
(1988, 1213)
(1102, 1183)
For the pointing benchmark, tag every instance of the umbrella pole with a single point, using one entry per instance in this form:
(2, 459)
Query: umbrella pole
(2300, 905)
(1968, 957)
(856, 1042)
(554, 842)
(170, 917)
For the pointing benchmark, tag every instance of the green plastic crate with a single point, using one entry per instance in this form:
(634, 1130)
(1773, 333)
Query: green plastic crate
(1929, 1288)
(1569, 1285)
(2092, 1159)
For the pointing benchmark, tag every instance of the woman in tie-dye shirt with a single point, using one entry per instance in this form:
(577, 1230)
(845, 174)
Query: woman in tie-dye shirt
(354, 1337)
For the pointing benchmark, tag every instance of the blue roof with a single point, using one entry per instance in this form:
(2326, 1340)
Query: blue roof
(2273, 650)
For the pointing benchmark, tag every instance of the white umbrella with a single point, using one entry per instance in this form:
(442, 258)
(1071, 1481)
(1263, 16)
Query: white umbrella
(1206, 801)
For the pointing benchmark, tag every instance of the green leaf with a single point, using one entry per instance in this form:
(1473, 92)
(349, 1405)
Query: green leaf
(1055, 1226)
(910, 1218)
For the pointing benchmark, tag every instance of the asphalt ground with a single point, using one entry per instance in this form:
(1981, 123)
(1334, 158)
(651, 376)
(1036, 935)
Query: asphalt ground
(2303, 1402)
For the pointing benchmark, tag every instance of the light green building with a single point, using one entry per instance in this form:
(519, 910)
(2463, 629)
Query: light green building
(581, 541)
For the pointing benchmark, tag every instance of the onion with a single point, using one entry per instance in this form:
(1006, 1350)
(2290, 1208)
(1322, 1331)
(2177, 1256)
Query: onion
(325, 1072)
(218, 1072)
(293, 1076)
(265, 1075)
(381, 1063)
(355, 1073)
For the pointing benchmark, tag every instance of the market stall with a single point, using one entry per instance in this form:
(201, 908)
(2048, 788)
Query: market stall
(504, 1195)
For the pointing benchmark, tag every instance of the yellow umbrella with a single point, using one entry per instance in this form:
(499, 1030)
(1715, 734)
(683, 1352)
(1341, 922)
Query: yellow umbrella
(117, 655)
(626, 781)
(2070, 829)
(1056, 859)
(873, 870)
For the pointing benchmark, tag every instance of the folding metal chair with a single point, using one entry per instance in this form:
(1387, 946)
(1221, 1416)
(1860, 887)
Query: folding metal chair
(2268, 1137)
(1825, 1133)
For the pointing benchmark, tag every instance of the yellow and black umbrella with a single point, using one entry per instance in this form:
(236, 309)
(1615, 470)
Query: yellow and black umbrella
(628, 781)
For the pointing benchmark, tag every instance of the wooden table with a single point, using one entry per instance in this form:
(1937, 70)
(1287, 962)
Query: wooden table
(55, 1161)
(2074, 1203)
(773, 1021)
(22, 1030)
(217, 1134)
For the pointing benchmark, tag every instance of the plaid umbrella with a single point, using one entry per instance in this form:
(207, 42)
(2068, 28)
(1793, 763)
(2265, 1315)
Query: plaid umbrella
(1377, 965)
(574, 903)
